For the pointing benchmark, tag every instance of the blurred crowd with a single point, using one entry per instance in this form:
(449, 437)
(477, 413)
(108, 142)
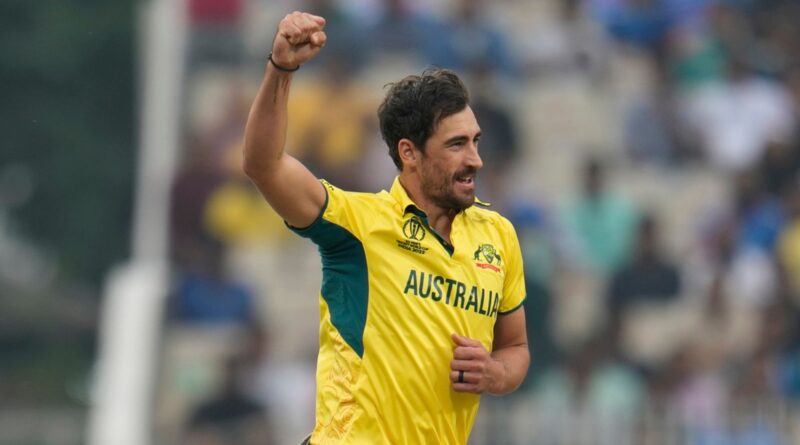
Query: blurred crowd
(647, 152)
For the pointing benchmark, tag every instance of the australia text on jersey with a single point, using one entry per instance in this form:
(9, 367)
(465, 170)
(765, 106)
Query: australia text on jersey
(452, 292)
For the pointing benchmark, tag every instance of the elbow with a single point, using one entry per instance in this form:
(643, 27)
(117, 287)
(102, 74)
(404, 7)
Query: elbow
(248, 168)
(259, 164)
(251, 166)
(513, 366)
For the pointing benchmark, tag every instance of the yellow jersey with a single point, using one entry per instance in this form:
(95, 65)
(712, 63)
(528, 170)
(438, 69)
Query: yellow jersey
(393, 292)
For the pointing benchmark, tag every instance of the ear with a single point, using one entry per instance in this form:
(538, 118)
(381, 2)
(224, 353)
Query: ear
(409, 154)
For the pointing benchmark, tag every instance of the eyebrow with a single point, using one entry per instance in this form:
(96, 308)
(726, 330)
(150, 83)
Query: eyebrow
(460, 138)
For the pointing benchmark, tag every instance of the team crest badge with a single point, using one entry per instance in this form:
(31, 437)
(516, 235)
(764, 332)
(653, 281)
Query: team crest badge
(486, 257)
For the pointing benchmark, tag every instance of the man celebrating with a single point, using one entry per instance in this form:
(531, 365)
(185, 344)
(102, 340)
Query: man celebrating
(420, 307)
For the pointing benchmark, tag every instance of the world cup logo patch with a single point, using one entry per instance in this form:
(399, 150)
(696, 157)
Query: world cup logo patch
(413, 229)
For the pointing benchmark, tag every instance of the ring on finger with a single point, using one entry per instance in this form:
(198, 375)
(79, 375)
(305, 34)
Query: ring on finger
(460, 376)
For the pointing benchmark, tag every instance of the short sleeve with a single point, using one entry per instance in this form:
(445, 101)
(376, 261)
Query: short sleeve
(514, 286)
(337, 213)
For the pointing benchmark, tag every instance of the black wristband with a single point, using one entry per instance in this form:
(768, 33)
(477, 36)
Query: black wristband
(282, 68)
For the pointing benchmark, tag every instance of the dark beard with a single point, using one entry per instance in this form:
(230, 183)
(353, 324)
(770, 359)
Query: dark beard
(441, 192)
(450, 202)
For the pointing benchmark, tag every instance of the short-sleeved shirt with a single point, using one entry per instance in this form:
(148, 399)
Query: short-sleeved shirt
(393, 292)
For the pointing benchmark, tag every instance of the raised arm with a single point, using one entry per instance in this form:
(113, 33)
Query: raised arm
(289, 187)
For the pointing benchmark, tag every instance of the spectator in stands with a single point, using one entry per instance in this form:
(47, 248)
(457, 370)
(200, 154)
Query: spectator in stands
(572, 45)
(405, 31)
(204, 295)
(641, 23)
(779, 167)
(205, 181)
(332, 116)
(347, 34)
(473, 39)
(752, 417)
(192, 186)
(648, 278)
(735, 120)
(224, 128)
(285, 387)
(736, 286)
(649, 130)
(694, 388)
(740, 246)
(782, 339)
(759, 216)
(234, 211)
(592, 399)
(230, 417)
(696, 57)
(599, 223)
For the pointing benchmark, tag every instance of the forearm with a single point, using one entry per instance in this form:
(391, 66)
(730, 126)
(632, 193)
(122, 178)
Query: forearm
(289, 187)
(265, 132)
(509, 367)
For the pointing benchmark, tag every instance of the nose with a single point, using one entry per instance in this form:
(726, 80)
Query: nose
(473, 158)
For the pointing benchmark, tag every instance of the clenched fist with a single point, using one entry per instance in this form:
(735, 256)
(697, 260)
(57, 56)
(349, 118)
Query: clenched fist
(473, 369)
(300, 36)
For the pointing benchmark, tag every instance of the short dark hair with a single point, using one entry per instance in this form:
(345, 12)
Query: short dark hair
(416, 104)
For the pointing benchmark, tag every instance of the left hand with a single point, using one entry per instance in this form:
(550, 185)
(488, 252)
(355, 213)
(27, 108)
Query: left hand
(481, 371)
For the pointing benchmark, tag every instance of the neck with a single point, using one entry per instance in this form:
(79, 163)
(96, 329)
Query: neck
(440, 219)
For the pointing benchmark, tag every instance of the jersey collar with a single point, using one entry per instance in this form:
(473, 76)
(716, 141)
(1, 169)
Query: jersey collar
(404, 202)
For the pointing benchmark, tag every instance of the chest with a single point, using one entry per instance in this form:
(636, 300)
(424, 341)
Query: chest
(412, 268)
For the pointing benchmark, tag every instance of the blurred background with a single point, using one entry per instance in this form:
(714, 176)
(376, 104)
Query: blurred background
(647, 152)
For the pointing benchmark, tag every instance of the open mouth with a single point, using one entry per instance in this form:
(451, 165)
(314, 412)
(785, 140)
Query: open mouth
(466, 180)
